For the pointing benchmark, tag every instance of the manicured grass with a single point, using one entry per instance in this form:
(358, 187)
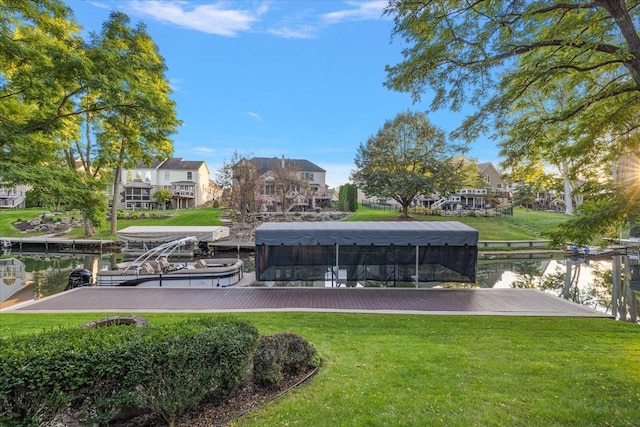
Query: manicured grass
(9, 216)
(410, 370)
(194, 216)
(523, 225)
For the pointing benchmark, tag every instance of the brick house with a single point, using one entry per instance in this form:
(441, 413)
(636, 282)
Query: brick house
(308, 190)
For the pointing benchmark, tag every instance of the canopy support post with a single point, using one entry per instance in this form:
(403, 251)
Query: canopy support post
(417, 263)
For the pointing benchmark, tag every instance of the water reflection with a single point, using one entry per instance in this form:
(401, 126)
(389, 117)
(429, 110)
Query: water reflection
(609, 285)
(25, 278)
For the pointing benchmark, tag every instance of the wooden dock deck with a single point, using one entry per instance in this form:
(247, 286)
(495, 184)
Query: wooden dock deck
(500, 302)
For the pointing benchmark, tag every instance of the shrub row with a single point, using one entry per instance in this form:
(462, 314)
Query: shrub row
(97, 373)
(281, 356)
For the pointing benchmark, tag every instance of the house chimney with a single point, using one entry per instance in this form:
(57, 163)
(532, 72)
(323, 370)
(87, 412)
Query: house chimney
(282, 162)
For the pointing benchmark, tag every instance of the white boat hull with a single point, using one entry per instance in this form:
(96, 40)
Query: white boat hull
(202, 274)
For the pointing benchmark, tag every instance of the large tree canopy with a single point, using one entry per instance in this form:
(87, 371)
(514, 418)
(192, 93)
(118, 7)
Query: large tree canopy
(495, 53)
(407, 157)
(557, 82)
(52, 82)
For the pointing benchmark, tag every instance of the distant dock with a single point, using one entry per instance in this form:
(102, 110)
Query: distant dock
(233, 245)
(60, 245)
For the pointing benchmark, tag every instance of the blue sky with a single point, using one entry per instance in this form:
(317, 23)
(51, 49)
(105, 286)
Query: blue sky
(300, 79)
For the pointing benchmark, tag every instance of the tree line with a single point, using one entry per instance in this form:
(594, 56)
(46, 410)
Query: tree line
(74, 111)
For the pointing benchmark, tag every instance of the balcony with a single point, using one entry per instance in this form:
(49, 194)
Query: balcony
(472, 192)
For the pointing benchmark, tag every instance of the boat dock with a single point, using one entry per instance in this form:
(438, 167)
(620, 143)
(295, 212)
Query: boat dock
(48, 244)
(494, 302)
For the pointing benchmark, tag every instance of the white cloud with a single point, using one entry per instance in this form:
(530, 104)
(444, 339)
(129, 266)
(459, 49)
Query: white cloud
(203, 150)
(174, 84)
(359, 11)
(207, 18)
(254, 116)
(100, 5)
(302, 32)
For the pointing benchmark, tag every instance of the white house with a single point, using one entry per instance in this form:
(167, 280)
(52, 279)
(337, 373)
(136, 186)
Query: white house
(187, 181)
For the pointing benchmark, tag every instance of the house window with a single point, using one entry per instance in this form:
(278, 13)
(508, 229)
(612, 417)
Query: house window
(307, 176)
(189, 176)
(167, 175)
(269, 190)
(488, 178)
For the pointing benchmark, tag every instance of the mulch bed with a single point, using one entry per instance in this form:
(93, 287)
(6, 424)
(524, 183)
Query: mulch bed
(214, 412)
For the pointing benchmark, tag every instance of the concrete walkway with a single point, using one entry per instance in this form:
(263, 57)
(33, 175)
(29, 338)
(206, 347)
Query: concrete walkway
(501, 302)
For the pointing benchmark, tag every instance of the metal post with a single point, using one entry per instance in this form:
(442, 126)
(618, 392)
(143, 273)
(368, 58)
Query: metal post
(417, 260)
(337, 266)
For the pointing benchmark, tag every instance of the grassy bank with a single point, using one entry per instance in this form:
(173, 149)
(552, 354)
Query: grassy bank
(407, 370)
(523, 225)
(194, 217)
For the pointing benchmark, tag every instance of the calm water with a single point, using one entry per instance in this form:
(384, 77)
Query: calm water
(609, 285)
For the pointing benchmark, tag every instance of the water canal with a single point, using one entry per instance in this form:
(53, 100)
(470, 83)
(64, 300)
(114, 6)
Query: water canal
(610, 285)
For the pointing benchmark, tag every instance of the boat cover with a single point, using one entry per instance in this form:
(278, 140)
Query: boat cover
(168, 233)
(376, 233)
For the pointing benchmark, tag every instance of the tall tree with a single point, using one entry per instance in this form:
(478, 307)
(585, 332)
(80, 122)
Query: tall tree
(407, 157)
(494, 54)
(42, 68)
(287, 183)
(239, 179)
(141, 116)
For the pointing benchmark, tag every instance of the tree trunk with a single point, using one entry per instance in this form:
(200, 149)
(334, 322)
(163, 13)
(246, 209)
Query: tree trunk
(116, 188)
(405, 210)
(568, 199)
(114, 200)
(618, 10)
(89, 229)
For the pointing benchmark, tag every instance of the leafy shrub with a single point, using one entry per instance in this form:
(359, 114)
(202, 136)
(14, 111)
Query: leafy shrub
(41, 375)
(193, 359)
(95, 373)
(279, 356)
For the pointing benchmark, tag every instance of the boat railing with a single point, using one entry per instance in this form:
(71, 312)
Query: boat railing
(161, 251)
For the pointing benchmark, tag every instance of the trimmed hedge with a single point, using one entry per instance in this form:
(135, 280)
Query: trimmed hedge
(96, 373)
(280, 356)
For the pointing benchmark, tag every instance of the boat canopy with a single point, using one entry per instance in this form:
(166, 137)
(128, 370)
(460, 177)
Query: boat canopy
(372, 251)
(377, 233)
(170, 233)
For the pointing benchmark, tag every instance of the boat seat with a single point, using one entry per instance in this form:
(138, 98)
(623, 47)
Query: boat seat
(201, 264)
(163, 264)
(146, 268)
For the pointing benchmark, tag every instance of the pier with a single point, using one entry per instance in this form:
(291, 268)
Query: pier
(48, 244)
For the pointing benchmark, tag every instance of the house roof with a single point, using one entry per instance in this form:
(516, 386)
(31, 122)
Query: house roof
(174, 163)
(181, 164)
(265, 164)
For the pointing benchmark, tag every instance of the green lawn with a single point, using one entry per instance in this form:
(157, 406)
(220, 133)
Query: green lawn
(195, 216)
(412, 370)
(523, 225)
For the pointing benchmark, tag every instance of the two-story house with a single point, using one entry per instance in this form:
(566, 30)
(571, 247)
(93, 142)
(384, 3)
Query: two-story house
(495, 191)
(308, 190)
(12, 196)
(187, 181)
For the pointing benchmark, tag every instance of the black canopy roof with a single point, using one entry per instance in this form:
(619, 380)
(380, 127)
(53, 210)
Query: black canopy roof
(377, 233)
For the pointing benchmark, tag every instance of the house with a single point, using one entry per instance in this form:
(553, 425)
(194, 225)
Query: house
(496, 191)
(306, 188)
(187, 181)
(12, 196)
